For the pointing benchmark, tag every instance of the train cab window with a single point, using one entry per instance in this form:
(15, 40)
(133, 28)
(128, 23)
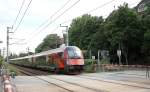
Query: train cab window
(74, 52)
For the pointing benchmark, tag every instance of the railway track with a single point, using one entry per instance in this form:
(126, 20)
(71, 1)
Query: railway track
(58, 81)
(34, 74)
(133, 76)
(31, 72)
(130, 75)
(114, 82)
(95, 90)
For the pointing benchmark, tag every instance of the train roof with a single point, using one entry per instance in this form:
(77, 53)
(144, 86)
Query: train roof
(44, 53)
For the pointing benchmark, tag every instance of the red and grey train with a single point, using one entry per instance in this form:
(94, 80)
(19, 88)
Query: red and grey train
(67, 58)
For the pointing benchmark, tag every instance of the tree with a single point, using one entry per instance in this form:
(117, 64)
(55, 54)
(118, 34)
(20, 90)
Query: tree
(146, 40)
(1, 60)
(50, 42)
(82, 30)
(99, 40)
(123, 29)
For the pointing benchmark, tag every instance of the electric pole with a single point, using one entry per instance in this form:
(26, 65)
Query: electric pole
(0, 52)
(8, 42)
(98, 61)
(3, 52)
(0, 49)
(28, 51)
(67, 38)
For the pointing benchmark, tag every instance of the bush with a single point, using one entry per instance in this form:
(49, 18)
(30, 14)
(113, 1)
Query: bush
(104, 61)
(89, 65)
(1, 60)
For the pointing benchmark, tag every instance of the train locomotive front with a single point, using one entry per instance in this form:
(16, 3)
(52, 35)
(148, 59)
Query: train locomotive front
(73, 59)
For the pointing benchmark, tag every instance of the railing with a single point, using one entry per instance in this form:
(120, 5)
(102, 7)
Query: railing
(111, 67)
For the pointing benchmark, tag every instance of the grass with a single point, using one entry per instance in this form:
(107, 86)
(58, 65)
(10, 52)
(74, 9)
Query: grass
(12, 69)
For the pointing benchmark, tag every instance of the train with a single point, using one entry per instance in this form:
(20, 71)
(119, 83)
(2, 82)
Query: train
(67, 58)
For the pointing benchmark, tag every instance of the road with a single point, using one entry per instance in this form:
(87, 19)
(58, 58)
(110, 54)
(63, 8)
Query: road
(125, 81)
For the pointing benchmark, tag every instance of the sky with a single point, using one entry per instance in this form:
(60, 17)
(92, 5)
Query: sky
(30, 34)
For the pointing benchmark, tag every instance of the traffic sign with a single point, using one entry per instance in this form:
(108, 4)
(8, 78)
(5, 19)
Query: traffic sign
(119, 53)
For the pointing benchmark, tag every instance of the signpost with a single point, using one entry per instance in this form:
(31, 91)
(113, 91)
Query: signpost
(98, 61)
(119, 55)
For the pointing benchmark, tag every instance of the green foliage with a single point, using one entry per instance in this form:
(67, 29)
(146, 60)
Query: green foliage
(89, 65)
(1, 60)
(82, 29)
(50, 42)
(146, 40)
(105, 61)
(123, 29)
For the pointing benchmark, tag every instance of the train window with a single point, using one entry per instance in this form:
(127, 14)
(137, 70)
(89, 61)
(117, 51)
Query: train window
(60, 54)
(74, 52)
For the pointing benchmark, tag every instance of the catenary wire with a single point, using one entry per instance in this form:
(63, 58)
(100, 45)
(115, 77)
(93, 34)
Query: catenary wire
(18, 13)
(53, 21)
(69, 19)
(43, 23)
(22, 16)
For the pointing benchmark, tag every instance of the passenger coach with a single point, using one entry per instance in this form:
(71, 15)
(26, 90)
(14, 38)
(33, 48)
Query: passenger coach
(68, 59)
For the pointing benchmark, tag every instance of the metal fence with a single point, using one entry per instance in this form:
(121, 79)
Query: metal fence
(111, 67)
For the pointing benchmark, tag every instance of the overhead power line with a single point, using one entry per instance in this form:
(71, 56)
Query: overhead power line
(22, 16)
(18, 13)
(43, 23)
(92, 10)
(53, 20)
(100, 6)
(59, 16)
(86, 12)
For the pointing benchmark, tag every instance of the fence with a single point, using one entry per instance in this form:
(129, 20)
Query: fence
(112, 67)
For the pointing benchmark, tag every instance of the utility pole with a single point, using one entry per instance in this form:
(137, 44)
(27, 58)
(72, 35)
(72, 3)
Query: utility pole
(0, 49)
(3, 52)
(8, 42)
(28, 50)
(98, 61)
(67, 38)
(0, 52)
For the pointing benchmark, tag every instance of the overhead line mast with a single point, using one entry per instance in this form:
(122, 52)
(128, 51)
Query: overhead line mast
(8, 31)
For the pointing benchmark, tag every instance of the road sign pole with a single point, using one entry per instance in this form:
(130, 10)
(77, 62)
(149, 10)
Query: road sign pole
(98, 61)
(119, 55)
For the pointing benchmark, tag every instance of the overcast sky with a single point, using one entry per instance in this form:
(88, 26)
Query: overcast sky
(41, 10)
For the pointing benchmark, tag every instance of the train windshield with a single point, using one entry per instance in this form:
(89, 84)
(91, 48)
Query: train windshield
(74, 53)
